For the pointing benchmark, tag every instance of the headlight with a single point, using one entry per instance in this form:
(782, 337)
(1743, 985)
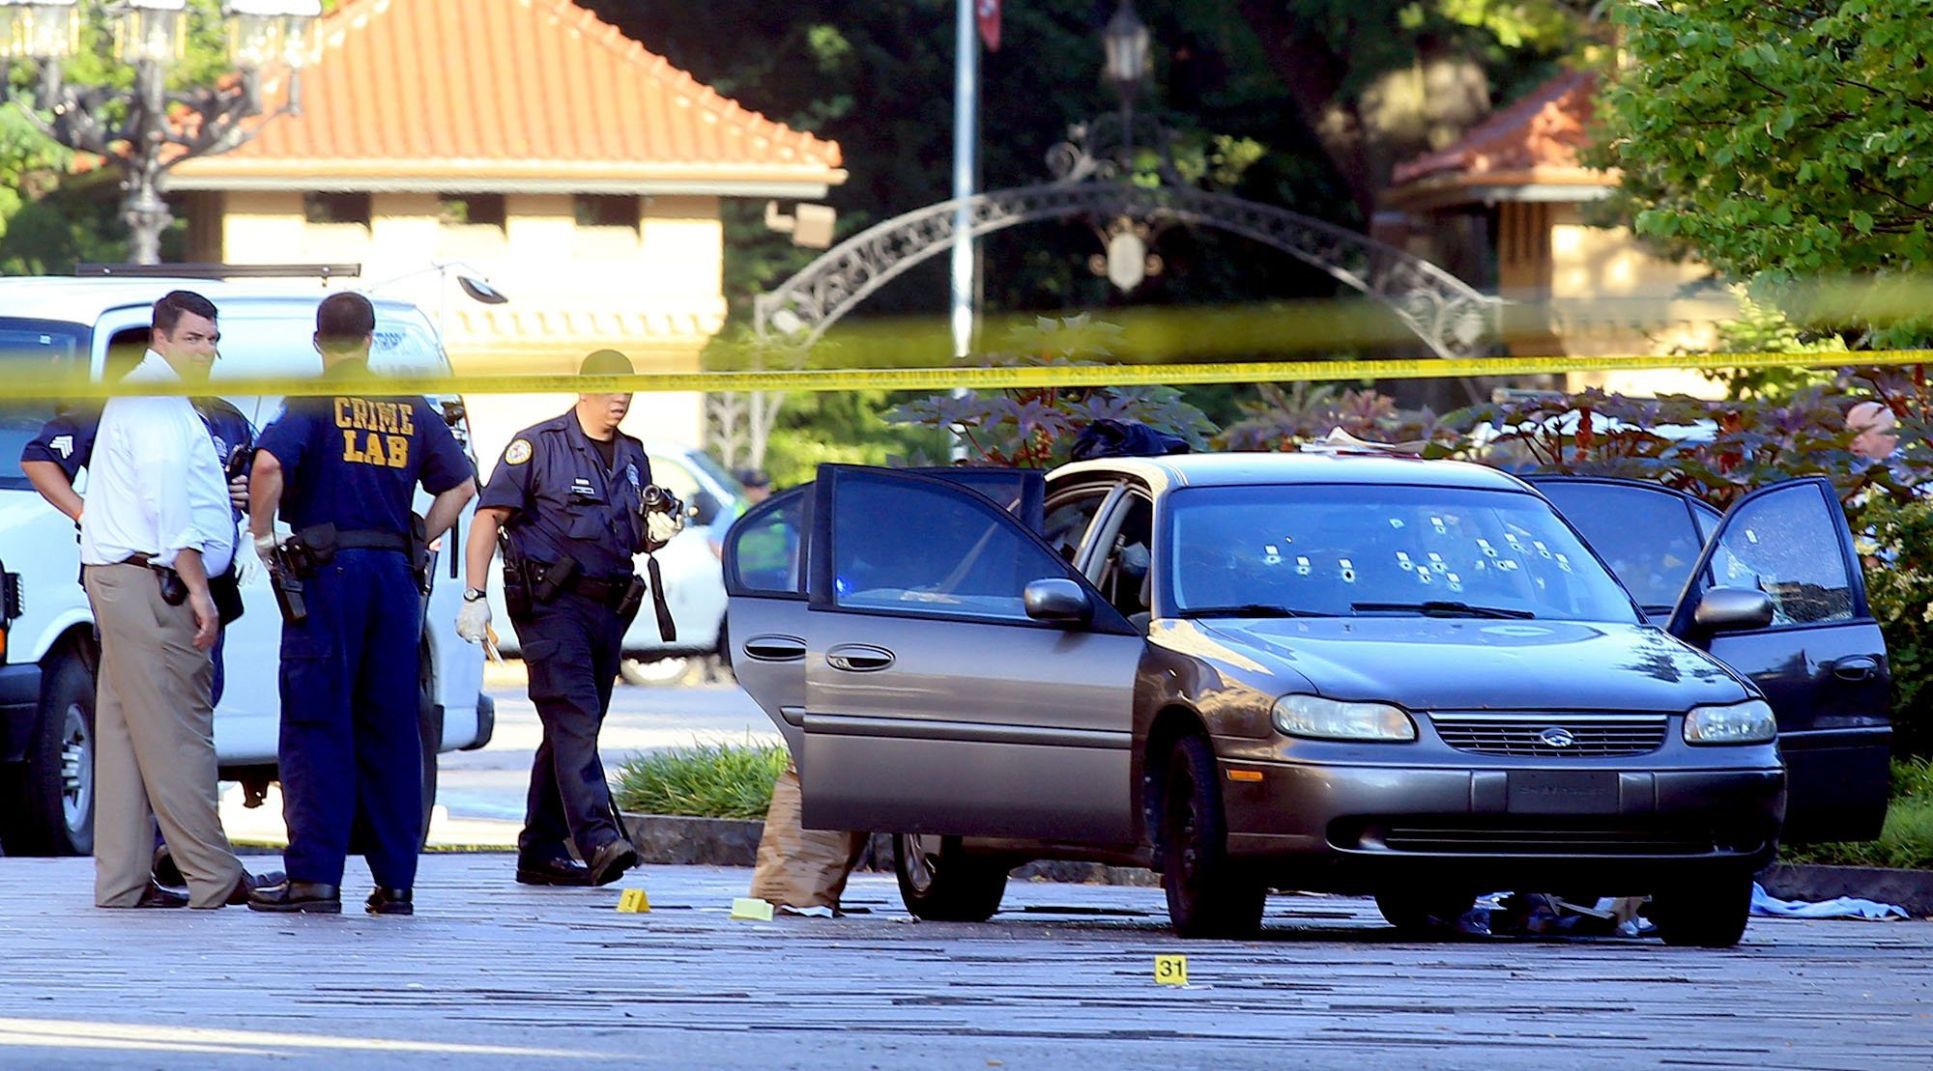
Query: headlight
(1750, 722)
(1312, 715)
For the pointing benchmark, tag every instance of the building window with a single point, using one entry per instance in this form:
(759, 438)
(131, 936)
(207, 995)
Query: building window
(336, 208)
(608, 210)
(471, 210)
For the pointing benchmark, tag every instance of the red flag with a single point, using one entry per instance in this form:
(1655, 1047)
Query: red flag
(988, 14)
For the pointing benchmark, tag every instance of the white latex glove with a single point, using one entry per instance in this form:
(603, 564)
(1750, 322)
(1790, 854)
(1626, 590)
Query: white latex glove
(660, 527)
(265, 549)
(247, 566)
(473, 621)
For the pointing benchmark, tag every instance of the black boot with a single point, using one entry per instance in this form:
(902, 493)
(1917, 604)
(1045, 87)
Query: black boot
(389, 902)
(310, 897)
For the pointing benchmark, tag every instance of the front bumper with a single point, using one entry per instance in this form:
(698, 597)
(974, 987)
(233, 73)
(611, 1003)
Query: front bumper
(1352, 828)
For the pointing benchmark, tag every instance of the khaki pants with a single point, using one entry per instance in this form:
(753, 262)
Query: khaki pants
(154, 744)
(800, 867)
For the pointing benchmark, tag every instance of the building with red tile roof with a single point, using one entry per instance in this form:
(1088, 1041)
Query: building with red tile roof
(580, 172)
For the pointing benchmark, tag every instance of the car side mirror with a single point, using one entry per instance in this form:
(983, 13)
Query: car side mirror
(704, 507)
(1057, 600)
(1732, 610)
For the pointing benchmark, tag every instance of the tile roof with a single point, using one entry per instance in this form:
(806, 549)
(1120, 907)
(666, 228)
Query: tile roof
(505, 94)
(1535, 139)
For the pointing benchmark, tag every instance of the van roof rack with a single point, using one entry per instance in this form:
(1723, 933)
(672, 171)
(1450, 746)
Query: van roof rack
(323, 272)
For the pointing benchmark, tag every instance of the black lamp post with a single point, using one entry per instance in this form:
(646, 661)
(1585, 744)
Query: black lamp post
(160, 128)
(1126, 41)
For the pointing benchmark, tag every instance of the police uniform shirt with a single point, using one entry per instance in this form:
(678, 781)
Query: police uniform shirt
(565, 501)
(68, 439)
(354, 462)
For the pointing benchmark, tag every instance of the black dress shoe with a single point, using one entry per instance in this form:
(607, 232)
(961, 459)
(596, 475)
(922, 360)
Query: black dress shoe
(161, 896)
(312, 897)
(553, 871)
(166, 872)
(389, 902)
(248, 883)
(610, 862)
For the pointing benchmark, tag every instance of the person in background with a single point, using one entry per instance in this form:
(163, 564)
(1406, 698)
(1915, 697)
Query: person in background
(571, 497)
(342, 470)
(159, 528)
(758, 486)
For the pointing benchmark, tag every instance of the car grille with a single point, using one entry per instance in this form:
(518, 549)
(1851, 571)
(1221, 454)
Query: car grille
(1555, 736)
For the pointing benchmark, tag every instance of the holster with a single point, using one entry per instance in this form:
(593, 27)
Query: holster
(174, 590)
(310, 549)
(555, 577)
(627, 607)
(419, 552)
(516, 586)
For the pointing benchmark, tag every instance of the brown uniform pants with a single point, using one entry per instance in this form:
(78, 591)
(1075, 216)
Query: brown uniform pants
(154, 744)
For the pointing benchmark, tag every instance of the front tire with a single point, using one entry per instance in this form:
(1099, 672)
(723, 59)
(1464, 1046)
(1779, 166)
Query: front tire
(939, 882)
(1706, 912)
(1210, 894)
(53, 807)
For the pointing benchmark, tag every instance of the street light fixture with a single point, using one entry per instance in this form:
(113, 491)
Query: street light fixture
(160, 128)
(1127, 42)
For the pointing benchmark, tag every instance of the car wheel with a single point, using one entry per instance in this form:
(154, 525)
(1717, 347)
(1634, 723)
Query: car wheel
(53, 812)
(1422, 910)
(940, 883)
(1708, 912)
(1209, 893)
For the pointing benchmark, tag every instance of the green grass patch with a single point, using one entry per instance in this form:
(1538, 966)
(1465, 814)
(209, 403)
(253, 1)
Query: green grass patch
(703, 781)
(1907, 840)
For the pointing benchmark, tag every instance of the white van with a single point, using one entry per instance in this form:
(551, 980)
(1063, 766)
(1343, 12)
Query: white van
(48, 651)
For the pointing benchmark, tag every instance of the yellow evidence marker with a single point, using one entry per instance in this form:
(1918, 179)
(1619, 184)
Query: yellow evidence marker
(633, 902)
(751, 907)
(1171, 970)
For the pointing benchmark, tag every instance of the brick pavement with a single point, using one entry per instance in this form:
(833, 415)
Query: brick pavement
(492, 974)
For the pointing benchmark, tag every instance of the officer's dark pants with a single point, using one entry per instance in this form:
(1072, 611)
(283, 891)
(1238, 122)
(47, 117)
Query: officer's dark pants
(351, 757)
(571, 646)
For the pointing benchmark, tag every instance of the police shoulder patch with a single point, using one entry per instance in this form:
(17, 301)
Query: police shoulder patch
(518, 453)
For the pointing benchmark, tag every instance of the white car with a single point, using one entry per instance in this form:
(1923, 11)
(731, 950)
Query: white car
(694, 581)
(48, 650)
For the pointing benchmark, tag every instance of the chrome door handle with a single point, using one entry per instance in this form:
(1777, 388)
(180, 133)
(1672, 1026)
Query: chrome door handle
(859, 658)
(1858, 668)
(775, 648)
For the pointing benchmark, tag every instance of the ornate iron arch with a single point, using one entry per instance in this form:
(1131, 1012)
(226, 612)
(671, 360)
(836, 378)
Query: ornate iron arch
(1448, 315)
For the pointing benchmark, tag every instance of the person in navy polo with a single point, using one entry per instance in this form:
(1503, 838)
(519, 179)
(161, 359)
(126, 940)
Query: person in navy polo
(343, 470)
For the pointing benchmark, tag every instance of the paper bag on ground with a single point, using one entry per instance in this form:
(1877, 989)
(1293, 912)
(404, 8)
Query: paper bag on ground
(799, 867)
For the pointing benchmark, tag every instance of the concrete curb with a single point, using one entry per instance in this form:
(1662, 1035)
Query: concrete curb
(670, 840)
(1910, 889)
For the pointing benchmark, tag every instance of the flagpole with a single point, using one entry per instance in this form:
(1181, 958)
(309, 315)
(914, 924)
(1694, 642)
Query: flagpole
(966, 140)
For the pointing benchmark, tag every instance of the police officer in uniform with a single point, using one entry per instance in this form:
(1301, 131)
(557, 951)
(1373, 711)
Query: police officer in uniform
(569, 496)
(343, 470)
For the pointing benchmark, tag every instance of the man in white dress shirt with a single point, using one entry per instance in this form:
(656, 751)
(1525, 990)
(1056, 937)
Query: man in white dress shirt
(157, 526)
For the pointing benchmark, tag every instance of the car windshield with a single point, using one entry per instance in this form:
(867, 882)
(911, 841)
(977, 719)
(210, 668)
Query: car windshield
(1359, 550)
(32, 348)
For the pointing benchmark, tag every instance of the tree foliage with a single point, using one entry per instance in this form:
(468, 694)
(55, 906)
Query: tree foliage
(1779, 138)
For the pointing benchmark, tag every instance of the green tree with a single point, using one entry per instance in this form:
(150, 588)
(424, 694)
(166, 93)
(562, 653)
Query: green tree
(1780, 139)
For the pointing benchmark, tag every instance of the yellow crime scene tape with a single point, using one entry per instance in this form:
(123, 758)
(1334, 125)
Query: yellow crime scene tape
(973, 378)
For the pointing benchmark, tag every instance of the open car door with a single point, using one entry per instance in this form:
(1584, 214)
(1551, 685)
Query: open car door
(1821, 662)
(945, 693)
(764, 557)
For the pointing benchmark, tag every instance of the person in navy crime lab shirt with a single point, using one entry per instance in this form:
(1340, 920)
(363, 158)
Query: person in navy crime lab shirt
(569, 488)
(53, 459)
(350, 755)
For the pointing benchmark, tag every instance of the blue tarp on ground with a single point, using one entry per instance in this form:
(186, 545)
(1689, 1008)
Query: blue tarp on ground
(1841, 907)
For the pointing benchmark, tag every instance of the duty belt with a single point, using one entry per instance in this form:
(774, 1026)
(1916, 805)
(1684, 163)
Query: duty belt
(372, 540)
(609, 591)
